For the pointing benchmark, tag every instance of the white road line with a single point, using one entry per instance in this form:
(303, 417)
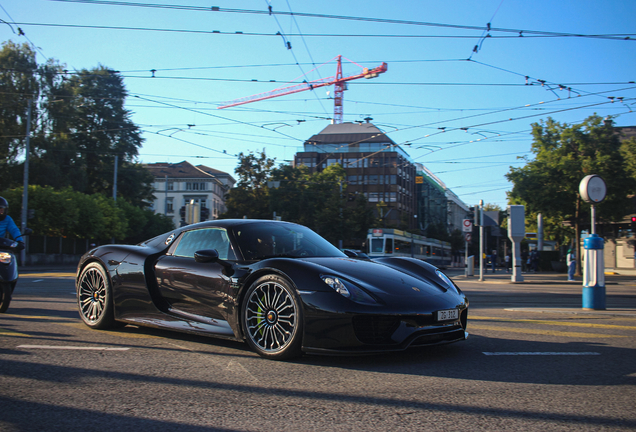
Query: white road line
(54, 347)
(540, 353)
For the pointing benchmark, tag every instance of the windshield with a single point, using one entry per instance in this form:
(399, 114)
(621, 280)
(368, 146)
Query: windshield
(274, 239)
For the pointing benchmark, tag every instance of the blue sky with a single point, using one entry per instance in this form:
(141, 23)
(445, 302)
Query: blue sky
(465, 114)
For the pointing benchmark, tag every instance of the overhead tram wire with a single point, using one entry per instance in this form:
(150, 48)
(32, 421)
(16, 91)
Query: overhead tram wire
(221, 117)
(631, 36)
(518, 32)
(290, 49)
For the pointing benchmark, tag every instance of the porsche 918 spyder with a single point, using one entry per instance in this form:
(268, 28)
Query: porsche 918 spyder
(278, 286)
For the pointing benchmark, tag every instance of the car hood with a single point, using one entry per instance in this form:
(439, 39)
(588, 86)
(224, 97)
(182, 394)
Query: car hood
(381, 279)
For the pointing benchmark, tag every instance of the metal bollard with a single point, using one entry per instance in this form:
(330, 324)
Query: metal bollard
(594, 273)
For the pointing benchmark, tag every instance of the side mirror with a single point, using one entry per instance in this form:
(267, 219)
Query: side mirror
(211, 256)
(206, 255)
(358, 255)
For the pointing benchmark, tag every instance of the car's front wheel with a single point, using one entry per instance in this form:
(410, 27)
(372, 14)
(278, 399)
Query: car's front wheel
(94, 298)
(272, 318)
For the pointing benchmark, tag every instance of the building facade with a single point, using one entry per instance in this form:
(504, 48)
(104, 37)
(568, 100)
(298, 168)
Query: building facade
(375, 167)
(182, 183)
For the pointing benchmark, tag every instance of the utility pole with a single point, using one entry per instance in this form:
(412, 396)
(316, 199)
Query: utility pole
(25, 187)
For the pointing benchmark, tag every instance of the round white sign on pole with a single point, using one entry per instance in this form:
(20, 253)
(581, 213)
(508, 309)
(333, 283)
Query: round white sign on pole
(593, 189)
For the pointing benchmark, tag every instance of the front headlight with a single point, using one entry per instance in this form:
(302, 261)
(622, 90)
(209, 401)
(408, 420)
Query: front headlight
(5, 258)
(348, 290)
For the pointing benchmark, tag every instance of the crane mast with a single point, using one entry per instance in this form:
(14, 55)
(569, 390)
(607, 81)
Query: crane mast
(338, 81)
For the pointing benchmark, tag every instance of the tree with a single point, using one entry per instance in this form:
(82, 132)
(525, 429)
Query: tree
(563, 156)
(78, 126)
(18, 86)
(250, 196)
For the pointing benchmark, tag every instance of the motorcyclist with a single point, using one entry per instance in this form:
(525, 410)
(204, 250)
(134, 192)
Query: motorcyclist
(7, 225)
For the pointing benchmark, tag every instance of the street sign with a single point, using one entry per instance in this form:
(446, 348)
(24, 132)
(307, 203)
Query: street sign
(468, 236)
(468, 225)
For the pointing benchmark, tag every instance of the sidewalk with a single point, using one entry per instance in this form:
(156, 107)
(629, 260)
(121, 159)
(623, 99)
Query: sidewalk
(549, 292)
(612, 276)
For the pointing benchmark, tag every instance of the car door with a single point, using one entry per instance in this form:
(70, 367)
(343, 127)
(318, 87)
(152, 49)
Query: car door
(192, 287)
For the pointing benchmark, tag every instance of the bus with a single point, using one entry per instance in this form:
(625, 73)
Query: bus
(383, 242)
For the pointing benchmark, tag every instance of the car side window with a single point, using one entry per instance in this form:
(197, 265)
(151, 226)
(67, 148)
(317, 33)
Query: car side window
(208, 238)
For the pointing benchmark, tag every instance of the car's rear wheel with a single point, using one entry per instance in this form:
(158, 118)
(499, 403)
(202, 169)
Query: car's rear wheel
(94, 298)
(272, 318)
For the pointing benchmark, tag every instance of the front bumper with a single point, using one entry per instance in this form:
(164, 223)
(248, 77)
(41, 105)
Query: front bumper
(373, 330)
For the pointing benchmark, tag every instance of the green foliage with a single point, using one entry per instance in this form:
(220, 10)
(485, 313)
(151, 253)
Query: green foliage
(18, 85)
(250, 197)
(78, 126)
(563, 156)
(68, 213)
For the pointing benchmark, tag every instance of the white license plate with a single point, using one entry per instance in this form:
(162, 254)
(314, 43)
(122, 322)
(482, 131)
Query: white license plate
(447, 315)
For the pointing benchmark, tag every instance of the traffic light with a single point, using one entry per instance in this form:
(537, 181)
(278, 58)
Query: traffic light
(471, 215)
(633, 224)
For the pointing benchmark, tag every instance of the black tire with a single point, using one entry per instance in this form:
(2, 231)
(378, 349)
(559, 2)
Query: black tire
(6, 290)
(95, 298)
(272, 318)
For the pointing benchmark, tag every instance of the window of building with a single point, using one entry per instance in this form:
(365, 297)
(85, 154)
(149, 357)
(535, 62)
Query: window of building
(170, 205)
(192, 186)
(169, 186)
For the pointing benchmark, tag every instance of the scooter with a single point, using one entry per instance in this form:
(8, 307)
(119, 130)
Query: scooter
(8, 269)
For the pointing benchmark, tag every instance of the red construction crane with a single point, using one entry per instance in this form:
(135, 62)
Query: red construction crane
(338, 80)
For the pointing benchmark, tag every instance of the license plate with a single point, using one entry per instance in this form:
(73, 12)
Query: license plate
(447, 315)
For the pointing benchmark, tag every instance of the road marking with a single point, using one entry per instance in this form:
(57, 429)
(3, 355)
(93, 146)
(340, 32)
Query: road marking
(543, 332)
(560, 323)
(118, 333)
(48, 275)
(541, 353)
(5, 332)
(56, 347)
(41, 317)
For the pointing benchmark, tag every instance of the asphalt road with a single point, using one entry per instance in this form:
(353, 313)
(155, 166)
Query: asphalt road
(534, 361)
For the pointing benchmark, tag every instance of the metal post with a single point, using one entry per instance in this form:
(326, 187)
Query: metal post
(115, 180)
(481, 240)
(466, 257)
(25, 186)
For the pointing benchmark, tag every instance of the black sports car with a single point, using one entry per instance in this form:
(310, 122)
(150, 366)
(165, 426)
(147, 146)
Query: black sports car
(277, 285)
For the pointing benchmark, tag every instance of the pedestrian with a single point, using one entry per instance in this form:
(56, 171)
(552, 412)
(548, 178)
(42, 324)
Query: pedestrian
(524, 261)
(571, 262)
(534, 260)
(7, 225)
(493, 260)
(508, 263)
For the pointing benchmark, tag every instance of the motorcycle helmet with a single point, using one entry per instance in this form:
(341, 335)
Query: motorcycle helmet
(4, 205)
